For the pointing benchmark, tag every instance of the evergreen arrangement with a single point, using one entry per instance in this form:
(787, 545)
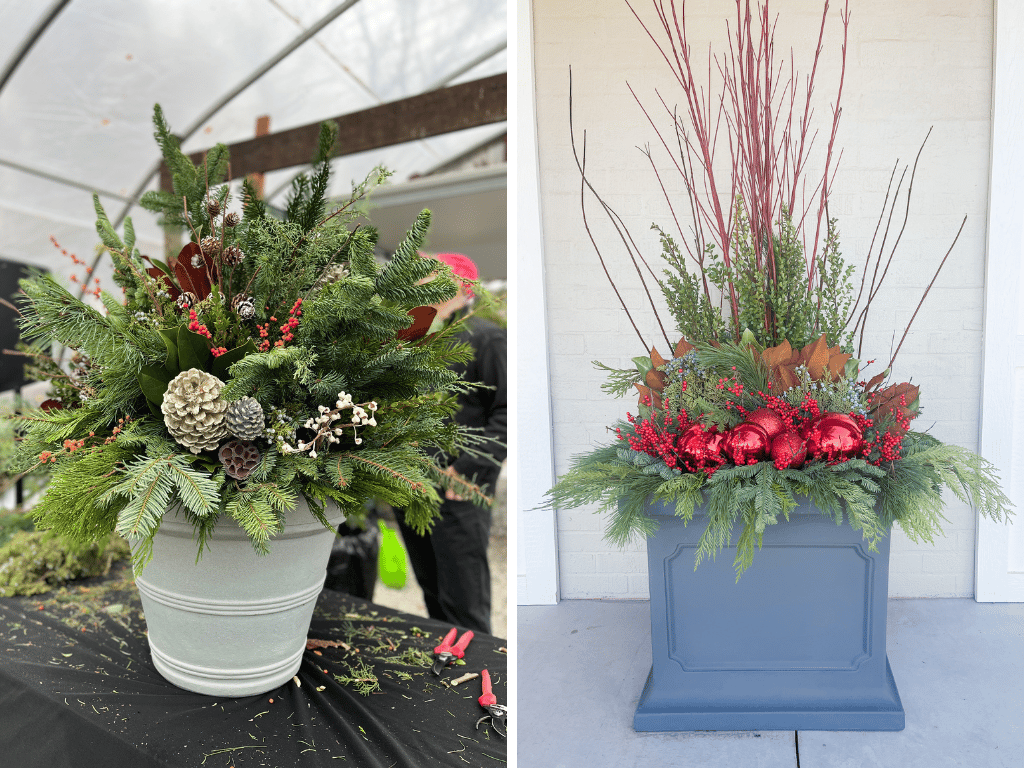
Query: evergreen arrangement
(762, 403)
(273, 359)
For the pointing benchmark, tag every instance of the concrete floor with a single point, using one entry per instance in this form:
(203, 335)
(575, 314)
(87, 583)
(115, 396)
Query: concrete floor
(959, 666)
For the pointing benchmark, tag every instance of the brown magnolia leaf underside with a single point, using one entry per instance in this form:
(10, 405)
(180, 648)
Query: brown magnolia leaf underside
(422, 319)
(820, 360)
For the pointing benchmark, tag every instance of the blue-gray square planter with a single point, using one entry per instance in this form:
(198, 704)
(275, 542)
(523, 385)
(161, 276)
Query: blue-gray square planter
(797, 644)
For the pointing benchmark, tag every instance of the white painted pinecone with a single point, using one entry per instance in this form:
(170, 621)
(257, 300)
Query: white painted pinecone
(245, 419)
(193, 410)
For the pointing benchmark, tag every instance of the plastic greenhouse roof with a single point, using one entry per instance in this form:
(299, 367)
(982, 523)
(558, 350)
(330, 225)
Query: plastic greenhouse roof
(75, 111)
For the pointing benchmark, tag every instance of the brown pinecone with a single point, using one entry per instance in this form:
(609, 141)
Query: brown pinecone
(186, 300)
(213, 207)
(239, 458)
(210, 246)
(244, 307)
(233, 255)
(231, 220)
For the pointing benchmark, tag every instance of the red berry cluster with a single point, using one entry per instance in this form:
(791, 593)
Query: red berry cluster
(889, 443)
(73, 445)
(95, 291)
(654, 439)
(287, 329)
(197, 327)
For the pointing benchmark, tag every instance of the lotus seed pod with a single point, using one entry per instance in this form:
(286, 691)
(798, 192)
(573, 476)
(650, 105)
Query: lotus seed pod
(239, 457)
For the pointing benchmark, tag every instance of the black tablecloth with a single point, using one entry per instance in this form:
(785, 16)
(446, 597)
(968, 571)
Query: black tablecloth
(78, 688)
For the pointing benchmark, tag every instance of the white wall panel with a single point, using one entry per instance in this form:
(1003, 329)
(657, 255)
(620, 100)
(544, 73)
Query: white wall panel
(910, 66)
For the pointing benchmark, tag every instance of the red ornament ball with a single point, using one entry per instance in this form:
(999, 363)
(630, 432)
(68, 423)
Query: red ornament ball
(700, 448)
(788, 450)
(768, 420)
(747, 444)
(835, 437)
(716, 446)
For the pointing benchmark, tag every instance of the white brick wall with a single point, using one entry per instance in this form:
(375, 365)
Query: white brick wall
(910, 66)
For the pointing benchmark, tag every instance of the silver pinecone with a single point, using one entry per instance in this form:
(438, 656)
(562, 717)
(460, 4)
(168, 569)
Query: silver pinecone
(245, 419)
(193, 410)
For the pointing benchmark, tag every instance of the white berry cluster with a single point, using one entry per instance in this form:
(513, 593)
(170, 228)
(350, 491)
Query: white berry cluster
(329, 424)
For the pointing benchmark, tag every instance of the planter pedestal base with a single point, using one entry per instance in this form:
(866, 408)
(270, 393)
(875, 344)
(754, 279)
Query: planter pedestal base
(797, 644)
(887, 716)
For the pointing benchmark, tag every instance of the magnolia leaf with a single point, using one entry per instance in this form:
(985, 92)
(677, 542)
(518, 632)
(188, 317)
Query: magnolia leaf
(170, 337)
(851, 369)
(160, 265)
(893, 393)
(655, 380)
(190, 277)
(815, 356)
(748, 339)
(683, 348)
(776, 356)
(645, 394)
(786, 378)
(643, 364)
(153, 381)
(422, 319)
(837, 364)
(220, 365)
(193, 350)
(168, 282)
(656, 358)
(876, 380)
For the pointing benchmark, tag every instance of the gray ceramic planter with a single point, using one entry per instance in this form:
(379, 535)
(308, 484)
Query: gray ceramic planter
(797, 644)
(235, 623)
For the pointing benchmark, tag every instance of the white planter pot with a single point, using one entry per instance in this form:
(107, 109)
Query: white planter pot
(234, 623)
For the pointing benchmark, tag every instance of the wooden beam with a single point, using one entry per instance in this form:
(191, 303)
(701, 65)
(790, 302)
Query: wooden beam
(455, 108)
(262, 129)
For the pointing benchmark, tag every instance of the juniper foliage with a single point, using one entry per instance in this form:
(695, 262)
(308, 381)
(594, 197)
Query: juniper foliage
(774, 299)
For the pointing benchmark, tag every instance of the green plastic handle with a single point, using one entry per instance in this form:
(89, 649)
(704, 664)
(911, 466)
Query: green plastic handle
(392, 561)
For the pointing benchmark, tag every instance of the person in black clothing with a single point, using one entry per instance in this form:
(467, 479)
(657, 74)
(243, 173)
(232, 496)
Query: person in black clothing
(450, 562)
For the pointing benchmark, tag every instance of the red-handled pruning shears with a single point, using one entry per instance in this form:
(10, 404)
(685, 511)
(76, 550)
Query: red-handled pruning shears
(496, 713)
(446, 653)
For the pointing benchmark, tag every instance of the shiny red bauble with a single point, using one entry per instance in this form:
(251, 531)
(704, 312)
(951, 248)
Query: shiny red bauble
(768, 420)
(747, 444)
(700, 448)
(834, 437)
(788, 450)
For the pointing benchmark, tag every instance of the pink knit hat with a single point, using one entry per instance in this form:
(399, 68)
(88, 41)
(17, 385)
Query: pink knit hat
(461, 265)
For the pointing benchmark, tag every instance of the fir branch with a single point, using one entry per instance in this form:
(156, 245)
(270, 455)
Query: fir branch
(407, 265)
(252, 509)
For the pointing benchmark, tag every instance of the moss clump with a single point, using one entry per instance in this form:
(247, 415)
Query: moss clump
(34, 562)
(10, 522)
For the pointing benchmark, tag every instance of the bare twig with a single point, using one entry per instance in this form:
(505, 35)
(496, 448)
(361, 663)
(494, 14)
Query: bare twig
(464, 679)
(934, 277)
(581, 165)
